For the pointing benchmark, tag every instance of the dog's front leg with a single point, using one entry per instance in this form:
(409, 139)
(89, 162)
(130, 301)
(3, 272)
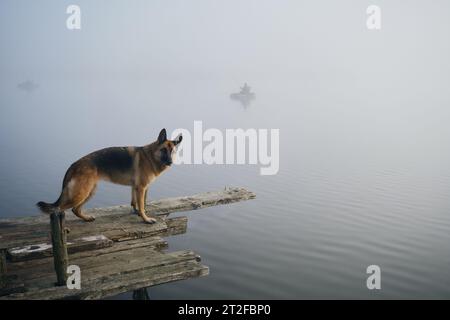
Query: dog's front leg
(133, 200)
(140, 197)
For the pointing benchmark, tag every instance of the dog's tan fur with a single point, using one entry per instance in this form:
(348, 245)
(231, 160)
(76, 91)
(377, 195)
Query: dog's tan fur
(133, 166)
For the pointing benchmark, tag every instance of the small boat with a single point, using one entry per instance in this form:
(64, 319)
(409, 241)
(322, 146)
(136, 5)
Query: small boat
(244, 96)
(27, 86)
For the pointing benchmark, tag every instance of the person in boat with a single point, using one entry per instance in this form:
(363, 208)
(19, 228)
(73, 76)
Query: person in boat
(245, 89)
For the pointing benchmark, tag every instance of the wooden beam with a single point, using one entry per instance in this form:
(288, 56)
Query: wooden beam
(30, 268)
(2, 267)
(17, 232)
(199, 201)
(60, 256)
(115, 273)
(156, 207)
(141, 294)
(42, 250)
(114, 228)
(8, 282)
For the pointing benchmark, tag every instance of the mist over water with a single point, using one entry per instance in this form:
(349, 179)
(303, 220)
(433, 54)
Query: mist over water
(363, 116)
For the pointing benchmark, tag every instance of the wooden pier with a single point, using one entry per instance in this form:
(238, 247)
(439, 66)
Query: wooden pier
(116, 253)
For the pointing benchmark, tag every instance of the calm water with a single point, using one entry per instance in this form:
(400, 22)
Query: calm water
(364, 132)
(352, 190)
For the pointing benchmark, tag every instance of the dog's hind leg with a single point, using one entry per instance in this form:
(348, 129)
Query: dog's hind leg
(77, 209)
(76, 193)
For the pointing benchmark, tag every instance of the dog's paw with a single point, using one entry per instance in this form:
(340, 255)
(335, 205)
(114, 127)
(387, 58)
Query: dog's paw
(89, 219)
(150, 220)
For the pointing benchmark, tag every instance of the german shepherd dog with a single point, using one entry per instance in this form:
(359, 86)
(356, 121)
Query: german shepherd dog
(132, 166)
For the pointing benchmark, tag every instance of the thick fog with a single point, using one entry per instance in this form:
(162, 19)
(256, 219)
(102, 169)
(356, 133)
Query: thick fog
(362, 116)
(306, 40)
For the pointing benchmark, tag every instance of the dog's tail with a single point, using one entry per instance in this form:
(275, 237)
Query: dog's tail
(48, 207)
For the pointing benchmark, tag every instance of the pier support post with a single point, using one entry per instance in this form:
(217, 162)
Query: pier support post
(141, 294)
(2, 267)
(59, 246)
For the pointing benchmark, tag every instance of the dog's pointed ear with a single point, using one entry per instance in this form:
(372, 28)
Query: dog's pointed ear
(178, 139)
(162, 136)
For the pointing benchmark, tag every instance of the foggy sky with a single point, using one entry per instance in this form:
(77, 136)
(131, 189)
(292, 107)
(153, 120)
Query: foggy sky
(294, 37)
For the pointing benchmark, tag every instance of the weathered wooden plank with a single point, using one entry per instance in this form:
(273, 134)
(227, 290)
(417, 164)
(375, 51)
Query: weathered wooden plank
(199, 201)
(111, 285)
(151, 243)
(118, 262)
(29, 272)
(114, 266)
(141, 279)
(140, 259)
(10, 241)
(10, 286)
(42, 250)
(117, 220)
(127, 228)
(156, 207)
(114, 228)
(8, 283)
